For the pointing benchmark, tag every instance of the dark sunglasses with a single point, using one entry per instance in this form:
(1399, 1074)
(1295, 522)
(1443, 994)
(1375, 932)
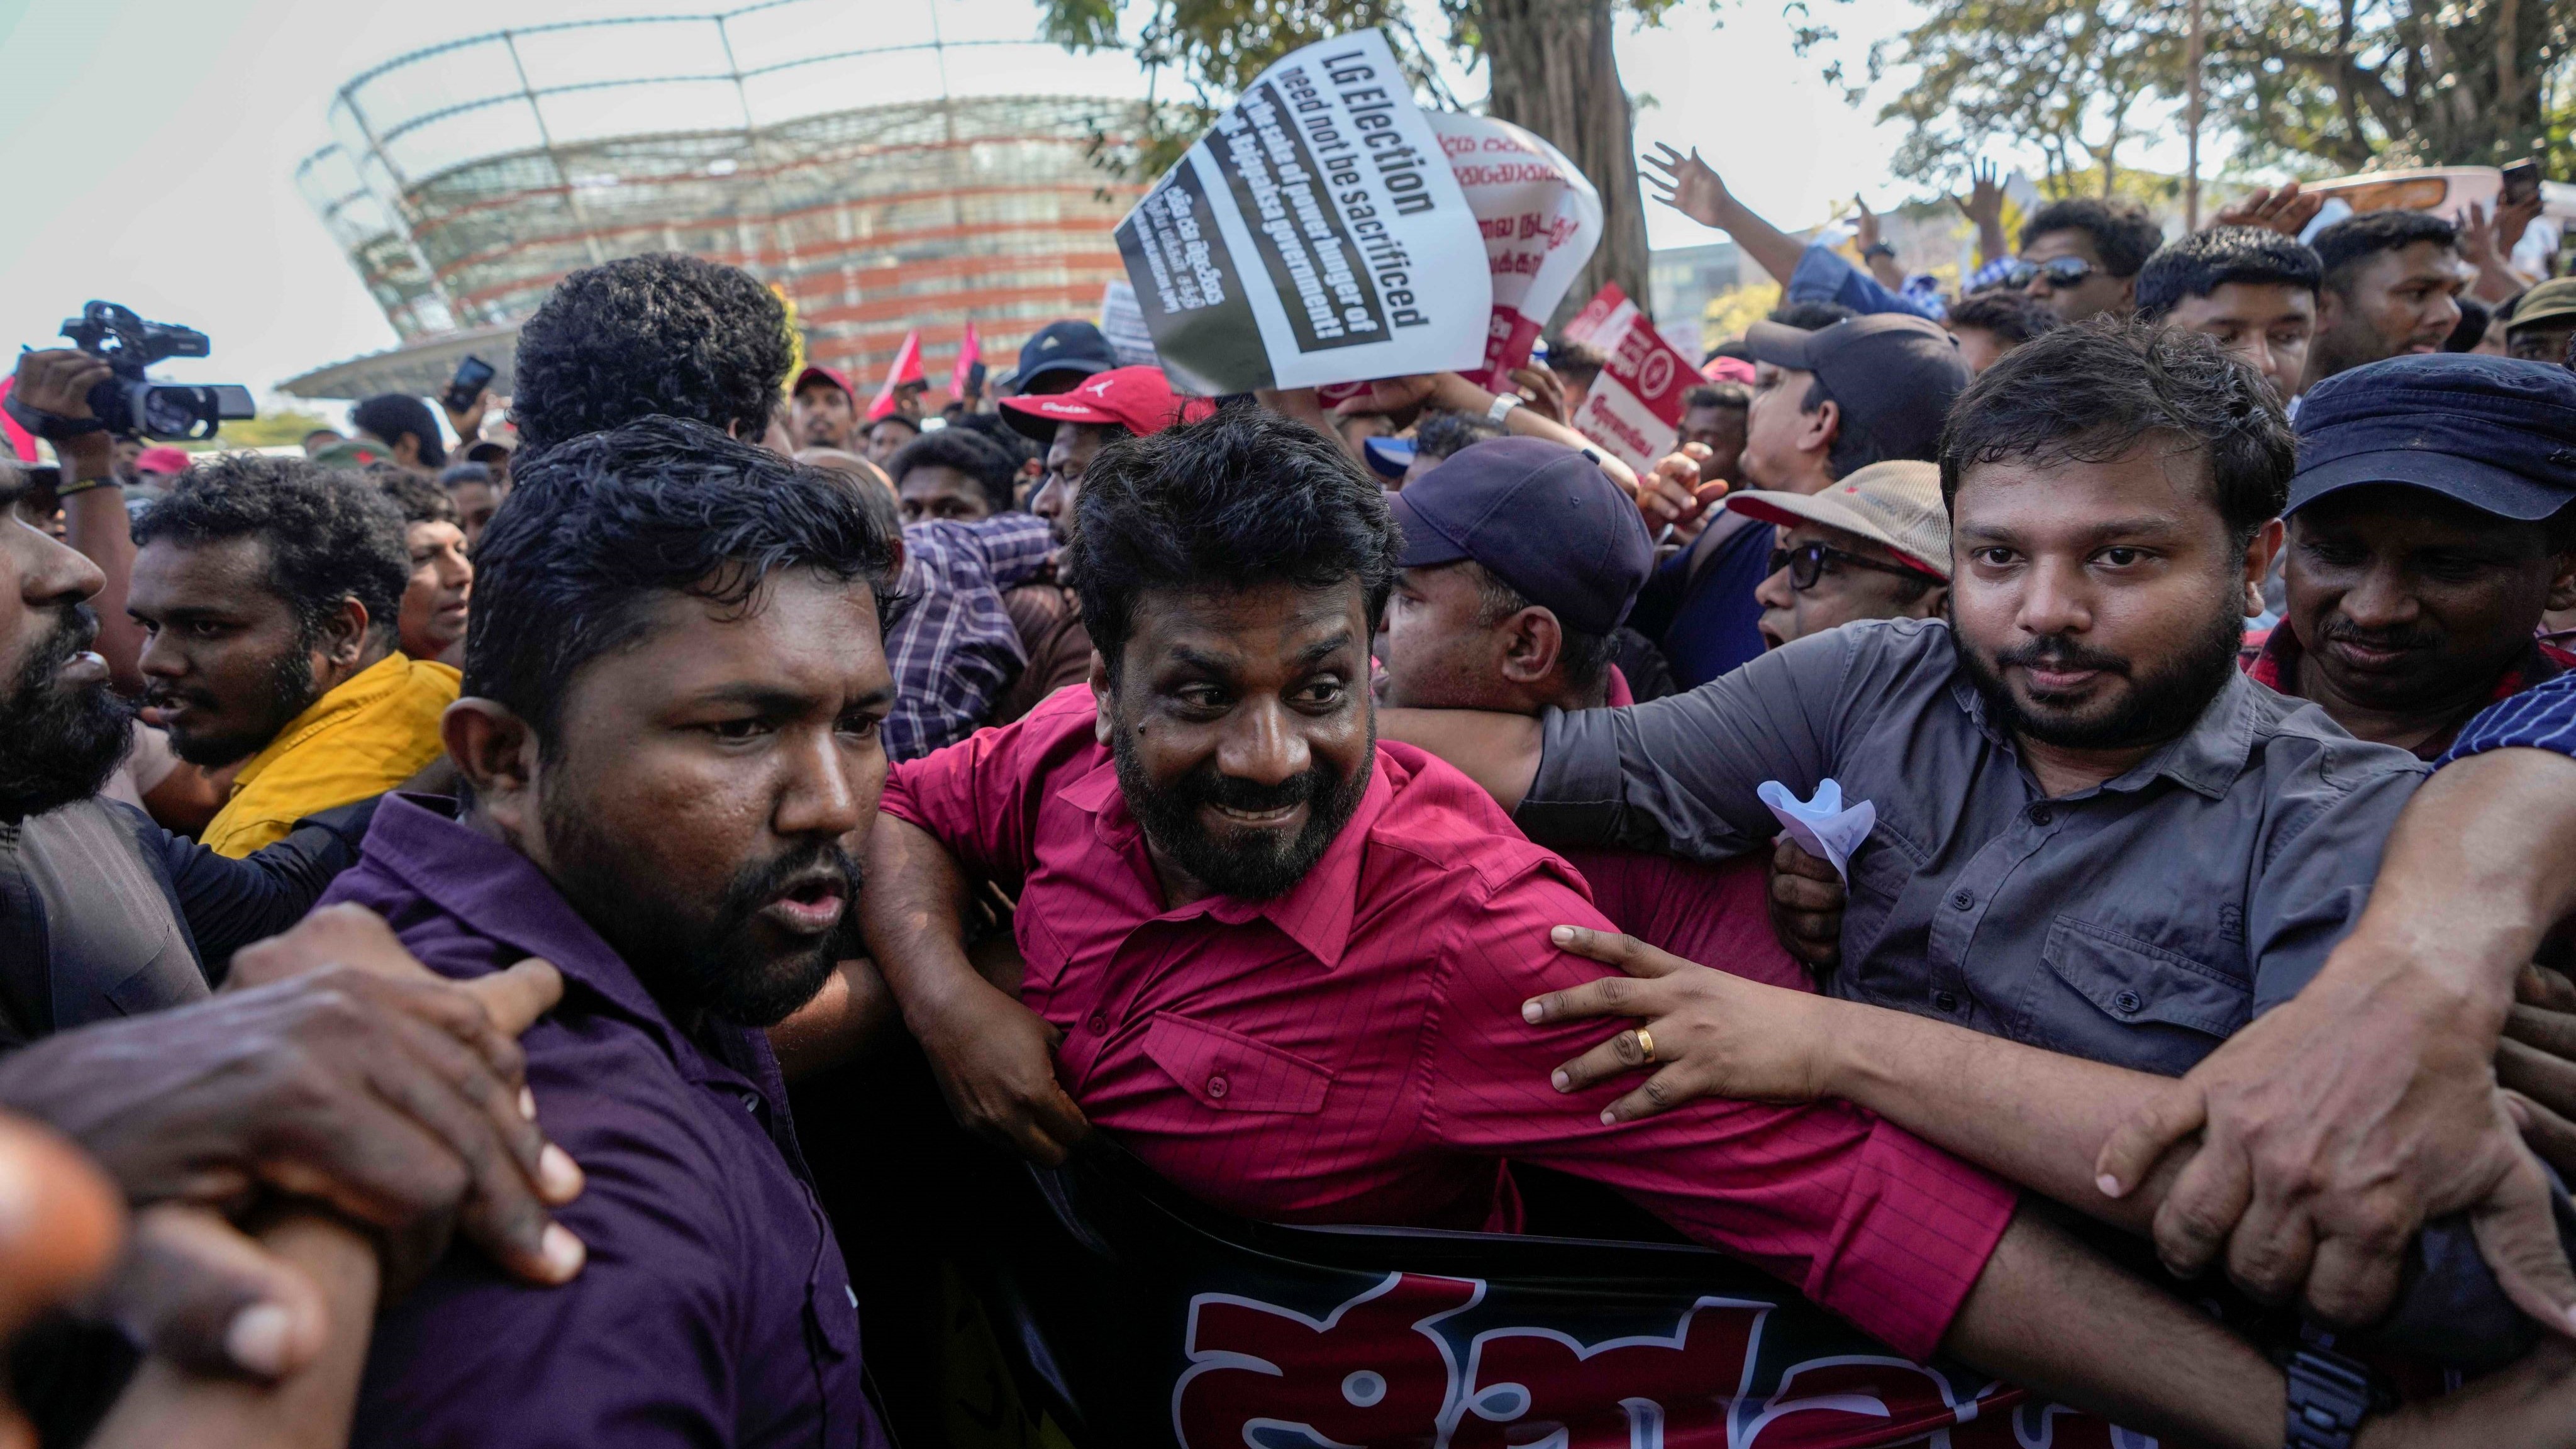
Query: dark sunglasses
(2060, 271)
(1806, 564)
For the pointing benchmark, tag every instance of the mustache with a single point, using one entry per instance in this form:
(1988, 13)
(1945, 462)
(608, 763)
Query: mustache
(2059, 652)
(2339, 630)
(758, 884)
(1233, 792)
(75, 629)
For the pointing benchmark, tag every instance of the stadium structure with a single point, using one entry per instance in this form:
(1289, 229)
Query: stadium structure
(885, 164)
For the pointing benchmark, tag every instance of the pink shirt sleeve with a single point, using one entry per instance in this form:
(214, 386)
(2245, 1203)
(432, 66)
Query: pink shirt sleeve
(1861, 1216)
(980, 796)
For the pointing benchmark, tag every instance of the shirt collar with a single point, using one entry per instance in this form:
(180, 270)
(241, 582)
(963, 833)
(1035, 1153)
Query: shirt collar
(1316, 913)
(347, 697)
(502, 895)
(2205, 759)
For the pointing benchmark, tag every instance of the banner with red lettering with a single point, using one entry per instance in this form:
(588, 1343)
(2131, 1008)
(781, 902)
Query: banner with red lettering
(1634, 408)
(1541, 221)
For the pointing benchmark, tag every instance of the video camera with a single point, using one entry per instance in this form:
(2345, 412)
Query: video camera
(129, 403)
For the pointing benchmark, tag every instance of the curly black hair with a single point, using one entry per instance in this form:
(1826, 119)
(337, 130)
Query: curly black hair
(2090, 391)
(2013, 317)
(419, 500)
(2122, 232)
(2344, 246)
(993, 470)
(332, 535)
(663, 333)
(389, 415)
(600, 525)
(1242, 498)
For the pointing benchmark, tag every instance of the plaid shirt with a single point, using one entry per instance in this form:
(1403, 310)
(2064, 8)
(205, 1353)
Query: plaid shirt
(953, 649)
(2271, 658)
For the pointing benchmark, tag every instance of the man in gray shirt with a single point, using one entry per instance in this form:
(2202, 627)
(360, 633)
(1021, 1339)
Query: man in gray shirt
(2092, 835)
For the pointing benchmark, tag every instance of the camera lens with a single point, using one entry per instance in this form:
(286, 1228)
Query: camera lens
(168, 412)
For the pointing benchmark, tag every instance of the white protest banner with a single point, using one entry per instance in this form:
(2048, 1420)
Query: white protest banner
(1634, 407)
(1313, 236)
(1540, 220)
(1123, 323)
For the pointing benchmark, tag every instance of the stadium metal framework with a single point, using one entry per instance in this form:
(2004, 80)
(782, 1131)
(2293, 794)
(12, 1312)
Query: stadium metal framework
(886, 164)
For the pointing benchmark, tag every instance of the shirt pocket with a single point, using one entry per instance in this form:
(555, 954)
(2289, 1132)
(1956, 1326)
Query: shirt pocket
(1231, 1072)
(1879, 872)
(2138, 984)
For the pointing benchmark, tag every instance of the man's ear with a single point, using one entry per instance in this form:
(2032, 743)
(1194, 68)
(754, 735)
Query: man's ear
(1533, 642)
(2258, 563)
(496, 755)
(2129, 292)
(1819, 428)
(2562, 582)
(1103, 699)
(342, 639)
(1933, 605)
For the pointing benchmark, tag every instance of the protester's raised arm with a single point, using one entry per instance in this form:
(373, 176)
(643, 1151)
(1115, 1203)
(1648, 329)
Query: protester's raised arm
(1694, 190)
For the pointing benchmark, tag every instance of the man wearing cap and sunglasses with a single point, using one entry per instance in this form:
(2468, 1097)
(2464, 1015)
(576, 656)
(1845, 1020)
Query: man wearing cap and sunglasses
(1874, 546)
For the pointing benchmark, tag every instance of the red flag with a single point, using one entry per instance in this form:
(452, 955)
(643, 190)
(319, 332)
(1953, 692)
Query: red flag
(970, 351)
(906, 369)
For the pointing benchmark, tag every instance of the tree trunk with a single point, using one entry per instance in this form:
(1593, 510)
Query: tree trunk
(1553, 72)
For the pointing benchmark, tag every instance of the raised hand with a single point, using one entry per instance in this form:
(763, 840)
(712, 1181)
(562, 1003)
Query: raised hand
(1865, 225)
(2284, 211)
(1984, 202)
(1688, 185)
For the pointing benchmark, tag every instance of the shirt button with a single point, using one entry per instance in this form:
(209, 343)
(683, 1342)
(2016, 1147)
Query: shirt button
(750, 1102)
(1962, 900)
(2128, 1002)
(2041, 815)
(1216, 1087)
(1945, 1001)
(1099, 1023)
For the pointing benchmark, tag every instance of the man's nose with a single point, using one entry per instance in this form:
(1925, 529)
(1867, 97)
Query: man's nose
(1774, 592)
(1263, 744)
(2379, 599)
(820, 795)
(2055, 599)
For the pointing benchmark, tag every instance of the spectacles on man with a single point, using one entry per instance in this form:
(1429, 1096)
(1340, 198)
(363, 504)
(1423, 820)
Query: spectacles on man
(1806, 564)
(2058, 271)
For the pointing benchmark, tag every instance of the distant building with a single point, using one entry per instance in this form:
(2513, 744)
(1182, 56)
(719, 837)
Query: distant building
(1683, 280)
(465, 179)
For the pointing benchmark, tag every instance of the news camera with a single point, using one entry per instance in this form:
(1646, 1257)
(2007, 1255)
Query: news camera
(128, 402)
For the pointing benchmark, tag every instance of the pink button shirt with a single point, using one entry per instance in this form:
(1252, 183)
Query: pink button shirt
(1353, 1051)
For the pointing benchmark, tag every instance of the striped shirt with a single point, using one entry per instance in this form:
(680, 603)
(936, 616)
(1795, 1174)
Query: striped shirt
(954, 649)
(2542, 717)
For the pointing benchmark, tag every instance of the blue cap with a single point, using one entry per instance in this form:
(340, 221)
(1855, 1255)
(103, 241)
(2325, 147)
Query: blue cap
(1389, 457)
(2495, 433)
(1070, 347)
(1541, 517)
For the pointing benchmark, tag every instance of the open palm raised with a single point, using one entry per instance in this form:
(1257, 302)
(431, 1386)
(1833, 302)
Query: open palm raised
(1687, 185)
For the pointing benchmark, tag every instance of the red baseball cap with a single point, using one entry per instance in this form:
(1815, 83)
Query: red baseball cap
(1139, 399)
(162, 460)
(814, 370)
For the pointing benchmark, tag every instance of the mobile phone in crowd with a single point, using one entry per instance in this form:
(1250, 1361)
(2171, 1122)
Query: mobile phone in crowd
(472, 376)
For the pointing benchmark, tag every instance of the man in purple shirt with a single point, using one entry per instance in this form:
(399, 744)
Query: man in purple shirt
(673, 687)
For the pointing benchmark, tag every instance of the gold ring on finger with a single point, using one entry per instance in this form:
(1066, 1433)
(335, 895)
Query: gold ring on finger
(1645, 1045)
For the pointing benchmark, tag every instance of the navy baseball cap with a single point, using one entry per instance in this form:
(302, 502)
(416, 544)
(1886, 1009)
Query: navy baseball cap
(1541, 517)
(1073, 347)
(2495, 433)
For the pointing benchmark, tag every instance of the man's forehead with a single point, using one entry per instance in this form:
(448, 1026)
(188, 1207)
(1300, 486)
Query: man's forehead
(1247, 626)
(2158, 482)
(2066, 241)
(797, 625)
(2258, 302)
(216, 566)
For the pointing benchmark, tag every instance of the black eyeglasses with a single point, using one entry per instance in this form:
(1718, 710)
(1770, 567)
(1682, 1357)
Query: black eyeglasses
(1806, 564)
(2059, 271)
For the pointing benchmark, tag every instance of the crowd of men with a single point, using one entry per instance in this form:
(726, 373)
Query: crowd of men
(425, 863)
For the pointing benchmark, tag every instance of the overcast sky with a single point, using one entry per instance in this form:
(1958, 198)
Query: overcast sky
(150, 146)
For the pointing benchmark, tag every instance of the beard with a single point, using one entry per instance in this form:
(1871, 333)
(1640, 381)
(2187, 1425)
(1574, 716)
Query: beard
(713, 959)
(2155, 707)
(1249, 863)
(63, 741)
(289, 693)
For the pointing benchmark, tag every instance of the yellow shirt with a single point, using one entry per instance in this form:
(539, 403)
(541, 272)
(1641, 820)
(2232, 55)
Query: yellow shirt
(378, 728)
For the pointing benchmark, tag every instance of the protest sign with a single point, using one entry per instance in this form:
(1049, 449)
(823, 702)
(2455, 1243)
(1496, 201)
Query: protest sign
(1540, 221)
(1634, 408)
(1123, 323)
(1313, 236)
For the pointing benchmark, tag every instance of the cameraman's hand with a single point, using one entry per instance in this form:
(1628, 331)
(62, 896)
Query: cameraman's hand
(58, 381)
(468, 423)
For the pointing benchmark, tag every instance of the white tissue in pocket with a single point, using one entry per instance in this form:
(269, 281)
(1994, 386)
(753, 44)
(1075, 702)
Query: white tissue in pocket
(1821, 826)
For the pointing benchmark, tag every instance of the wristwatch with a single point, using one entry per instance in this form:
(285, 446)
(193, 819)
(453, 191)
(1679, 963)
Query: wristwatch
(1503, 404)
(2329, 1395)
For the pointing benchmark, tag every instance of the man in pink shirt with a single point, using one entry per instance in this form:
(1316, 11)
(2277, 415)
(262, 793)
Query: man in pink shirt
(1284, 963)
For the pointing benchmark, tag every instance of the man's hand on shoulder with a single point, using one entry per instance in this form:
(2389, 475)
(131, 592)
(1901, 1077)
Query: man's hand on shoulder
(995, 1061)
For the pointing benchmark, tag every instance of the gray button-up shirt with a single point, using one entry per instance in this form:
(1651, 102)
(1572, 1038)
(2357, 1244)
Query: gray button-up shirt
(2139, 922)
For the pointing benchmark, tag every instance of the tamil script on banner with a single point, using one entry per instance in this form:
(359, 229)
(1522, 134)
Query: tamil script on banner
(1540, 221)
(1634, 408)
(1314, 235)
